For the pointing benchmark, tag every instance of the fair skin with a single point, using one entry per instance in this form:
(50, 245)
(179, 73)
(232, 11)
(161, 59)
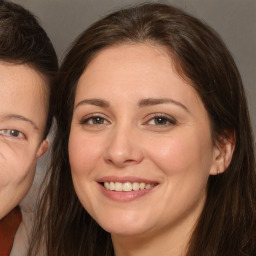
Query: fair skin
(141, 150)
(23, 113)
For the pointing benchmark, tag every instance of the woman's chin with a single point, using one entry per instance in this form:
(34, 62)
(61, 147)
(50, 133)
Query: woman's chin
(120, 228)
(129, 232)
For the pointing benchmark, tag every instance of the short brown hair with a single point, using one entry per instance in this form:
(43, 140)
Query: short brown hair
(23, 41)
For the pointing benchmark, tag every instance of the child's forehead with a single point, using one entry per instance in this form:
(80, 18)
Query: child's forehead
(23, 92)
(22, 75)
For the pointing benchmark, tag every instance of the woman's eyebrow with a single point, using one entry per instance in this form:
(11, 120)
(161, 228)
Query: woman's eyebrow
(20, 118)
(142, 103)
(95, 102)
(156, 101)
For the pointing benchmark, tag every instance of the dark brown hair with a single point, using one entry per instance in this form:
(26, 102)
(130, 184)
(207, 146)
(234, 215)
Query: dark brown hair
(23, 41)
(227, 225)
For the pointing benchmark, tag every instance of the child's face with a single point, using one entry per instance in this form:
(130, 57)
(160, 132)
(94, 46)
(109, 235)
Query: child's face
(23, 114)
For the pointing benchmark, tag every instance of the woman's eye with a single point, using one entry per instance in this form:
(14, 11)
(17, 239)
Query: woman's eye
(94, 120)
(161, 121)
(12, 133)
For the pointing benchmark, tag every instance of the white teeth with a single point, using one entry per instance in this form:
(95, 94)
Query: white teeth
(142, 185)
(112, 185)
(107, 185)
(135, 186)
(148, 186)
(127, 186)
(118, 186)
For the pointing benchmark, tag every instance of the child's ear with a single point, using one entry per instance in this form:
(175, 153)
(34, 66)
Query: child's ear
(42, 148)
(223, 152)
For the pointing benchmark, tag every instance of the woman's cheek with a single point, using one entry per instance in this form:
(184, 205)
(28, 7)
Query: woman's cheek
(174, 154)
(84, 153)
(167, 153)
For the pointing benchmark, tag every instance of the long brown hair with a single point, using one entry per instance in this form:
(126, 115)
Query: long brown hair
(227, 225)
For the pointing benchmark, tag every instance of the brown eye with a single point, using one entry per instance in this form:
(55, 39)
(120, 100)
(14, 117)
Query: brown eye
(161, 121)
(12, 133)
(97, 120)
(94, 120)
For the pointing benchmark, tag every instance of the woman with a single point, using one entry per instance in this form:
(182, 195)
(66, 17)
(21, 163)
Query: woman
(28, 65)
(154, 150)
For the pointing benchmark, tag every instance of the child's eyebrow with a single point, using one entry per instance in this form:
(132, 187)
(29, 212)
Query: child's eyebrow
(20, 118)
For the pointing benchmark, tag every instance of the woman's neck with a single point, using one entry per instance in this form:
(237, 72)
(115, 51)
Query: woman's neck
(172, 243)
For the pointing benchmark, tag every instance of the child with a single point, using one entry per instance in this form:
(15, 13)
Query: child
(28, 64)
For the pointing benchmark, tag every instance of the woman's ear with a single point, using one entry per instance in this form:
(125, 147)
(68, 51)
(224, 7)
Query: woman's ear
(42, 148)
(223, 152)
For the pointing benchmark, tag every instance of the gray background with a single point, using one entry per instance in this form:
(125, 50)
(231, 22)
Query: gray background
(234, 20)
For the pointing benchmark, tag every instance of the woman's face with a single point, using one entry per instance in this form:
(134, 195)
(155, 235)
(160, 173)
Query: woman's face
(140, 145)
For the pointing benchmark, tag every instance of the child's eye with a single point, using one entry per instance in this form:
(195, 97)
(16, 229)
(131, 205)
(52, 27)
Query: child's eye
(12, 133)
(160, 120)
(94, 120)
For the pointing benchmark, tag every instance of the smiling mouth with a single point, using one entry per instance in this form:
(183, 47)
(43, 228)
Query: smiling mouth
(127, 186)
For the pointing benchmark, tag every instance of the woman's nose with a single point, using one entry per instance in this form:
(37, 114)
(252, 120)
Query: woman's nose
(123, 148)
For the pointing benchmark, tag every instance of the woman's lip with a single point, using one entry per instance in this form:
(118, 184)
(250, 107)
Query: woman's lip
(126, 179)
(122, 196)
